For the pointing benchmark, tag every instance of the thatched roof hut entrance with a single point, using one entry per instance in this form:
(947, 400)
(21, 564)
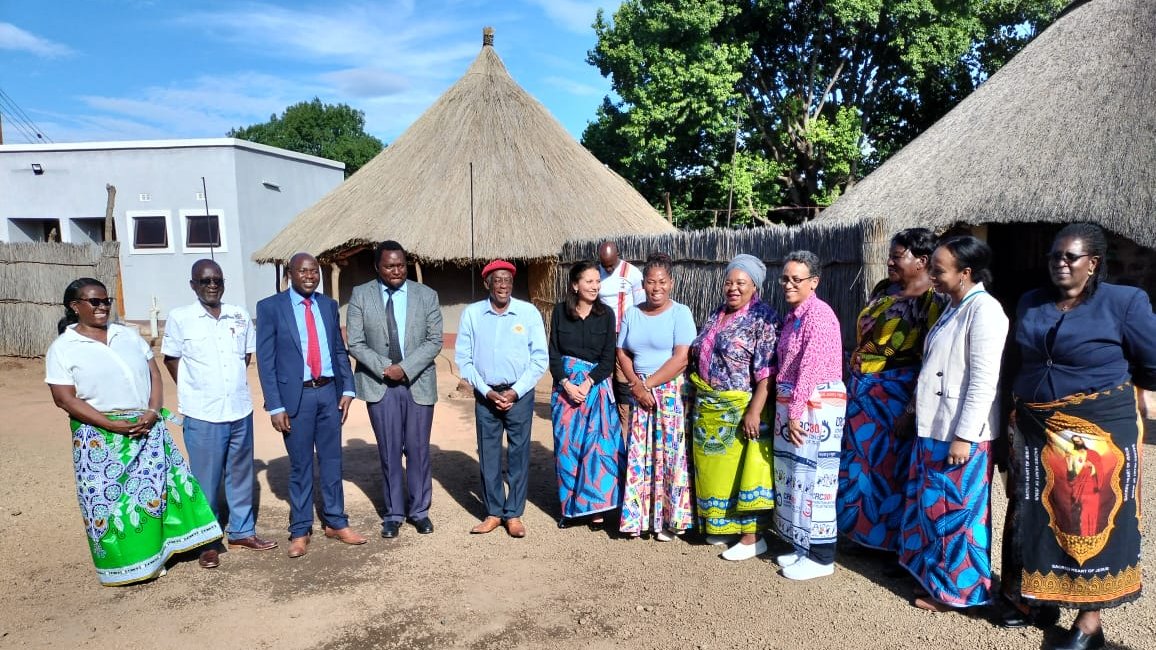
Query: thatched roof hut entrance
(485, 172)
(1065, 132)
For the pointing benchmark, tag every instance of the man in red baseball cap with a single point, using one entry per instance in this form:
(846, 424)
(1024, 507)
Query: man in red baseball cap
(501, 351)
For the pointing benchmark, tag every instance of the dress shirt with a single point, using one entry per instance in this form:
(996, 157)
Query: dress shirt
(110, 377)
(507, 348)
(298, 302)
(212, 376)
(810, 351)
(400, 302)
(615, 284)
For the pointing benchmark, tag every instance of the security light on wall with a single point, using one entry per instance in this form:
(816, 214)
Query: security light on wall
(37, 169)
(272, 185)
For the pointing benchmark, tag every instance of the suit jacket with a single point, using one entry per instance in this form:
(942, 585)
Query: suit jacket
(280, 359)
(369, 341)
(958, 384)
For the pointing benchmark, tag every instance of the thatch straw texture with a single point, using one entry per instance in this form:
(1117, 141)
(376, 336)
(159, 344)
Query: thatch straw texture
(1066, 131)
(534, 186)
(700, 258)
(32, 282)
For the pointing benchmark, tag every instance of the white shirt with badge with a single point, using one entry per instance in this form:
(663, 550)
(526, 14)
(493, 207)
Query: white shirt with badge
(110, 376)
(212, 378)
(622, 285)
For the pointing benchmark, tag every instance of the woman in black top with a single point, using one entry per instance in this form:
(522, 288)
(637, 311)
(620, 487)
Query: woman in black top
(588, 445)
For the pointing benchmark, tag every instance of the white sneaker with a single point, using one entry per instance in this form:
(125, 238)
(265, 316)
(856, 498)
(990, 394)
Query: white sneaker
(741, 551)
(806, 569)
(789, 558)
(664, 535)
(719, 540)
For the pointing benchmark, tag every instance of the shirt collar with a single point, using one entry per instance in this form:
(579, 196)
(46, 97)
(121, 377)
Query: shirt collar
(297, 298)
(805, 306)
(510, 308)
(72, 334)
(402, 289)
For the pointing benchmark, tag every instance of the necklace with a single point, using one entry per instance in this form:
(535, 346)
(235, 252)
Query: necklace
(1068, 307)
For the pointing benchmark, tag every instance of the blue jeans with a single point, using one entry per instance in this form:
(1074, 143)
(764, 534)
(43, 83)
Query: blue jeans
(490, 424)
(223, 452)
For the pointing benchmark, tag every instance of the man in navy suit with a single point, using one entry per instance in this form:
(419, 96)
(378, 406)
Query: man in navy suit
(308, 386)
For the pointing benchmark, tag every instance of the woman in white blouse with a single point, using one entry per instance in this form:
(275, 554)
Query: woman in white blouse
(139, 502)
(946, 529)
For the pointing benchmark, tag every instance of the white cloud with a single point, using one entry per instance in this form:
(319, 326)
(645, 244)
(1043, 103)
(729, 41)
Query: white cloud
(575, 15)
(14, 38)
(367, 82)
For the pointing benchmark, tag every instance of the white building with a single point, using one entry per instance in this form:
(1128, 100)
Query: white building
(56, 192)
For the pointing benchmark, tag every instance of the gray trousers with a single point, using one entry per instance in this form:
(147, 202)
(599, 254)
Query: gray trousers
(402, 428)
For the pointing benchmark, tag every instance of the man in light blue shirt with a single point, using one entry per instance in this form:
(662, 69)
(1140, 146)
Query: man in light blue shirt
(501, 351)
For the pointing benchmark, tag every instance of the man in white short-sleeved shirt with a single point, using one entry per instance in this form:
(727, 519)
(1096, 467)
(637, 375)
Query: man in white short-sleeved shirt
(621, 286)
(207, 347)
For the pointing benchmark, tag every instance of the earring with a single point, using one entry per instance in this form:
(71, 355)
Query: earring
(961, 284)
(1091, 272)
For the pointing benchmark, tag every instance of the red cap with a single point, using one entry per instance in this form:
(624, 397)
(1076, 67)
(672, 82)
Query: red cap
(498, 265)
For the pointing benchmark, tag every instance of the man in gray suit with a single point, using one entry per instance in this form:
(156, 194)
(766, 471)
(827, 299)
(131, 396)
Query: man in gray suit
(395, 333)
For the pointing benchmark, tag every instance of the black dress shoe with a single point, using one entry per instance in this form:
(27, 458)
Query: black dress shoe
(1012, 617)
(1076, 639)
(424, 526)
(389, 529)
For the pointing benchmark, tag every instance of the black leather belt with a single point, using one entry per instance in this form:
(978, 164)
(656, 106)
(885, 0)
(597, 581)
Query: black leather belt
(318, 383)
(501, 388)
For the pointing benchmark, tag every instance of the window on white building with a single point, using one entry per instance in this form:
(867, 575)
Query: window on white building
(150, 232)
(202, 231)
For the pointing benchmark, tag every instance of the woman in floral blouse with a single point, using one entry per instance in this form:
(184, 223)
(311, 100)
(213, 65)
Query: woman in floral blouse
(732, 362)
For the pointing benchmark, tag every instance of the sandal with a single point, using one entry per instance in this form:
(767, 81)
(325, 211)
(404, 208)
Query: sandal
(932, 605)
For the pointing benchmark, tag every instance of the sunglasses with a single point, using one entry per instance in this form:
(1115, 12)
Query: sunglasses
(1070, 258)
(96, 302)
(204, 282)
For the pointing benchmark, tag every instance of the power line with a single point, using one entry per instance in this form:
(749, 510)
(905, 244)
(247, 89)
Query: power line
(21, 120)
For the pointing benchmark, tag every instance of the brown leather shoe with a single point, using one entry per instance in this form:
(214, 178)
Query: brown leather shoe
(346, 535)
(253, 543)
(515, 527)
(210, 559)
(298, 546)
(488, 525)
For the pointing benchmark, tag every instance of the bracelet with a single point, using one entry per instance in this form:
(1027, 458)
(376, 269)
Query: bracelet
(154, 412)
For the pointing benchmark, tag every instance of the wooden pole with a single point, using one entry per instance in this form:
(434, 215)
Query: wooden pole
(109, 205)
(417, 271)
(669, 212)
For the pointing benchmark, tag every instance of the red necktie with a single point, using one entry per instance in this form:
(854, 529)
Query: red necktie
(313, 352)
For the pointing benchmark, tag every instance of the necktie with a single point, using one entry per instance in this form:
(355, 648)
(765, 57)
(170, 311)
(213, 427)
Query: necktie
(391, 329)
(313, 350)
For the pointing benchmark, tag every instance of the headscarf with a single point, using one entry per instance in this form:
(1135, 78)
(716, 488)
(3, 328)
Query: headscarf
(752, 266)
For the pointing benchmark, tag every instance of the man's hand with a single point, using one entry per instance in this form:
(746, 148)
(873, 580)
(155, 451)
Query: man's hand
(343, 406)
(280, 421)
(394, 373)
(795, 432)
(499, 400)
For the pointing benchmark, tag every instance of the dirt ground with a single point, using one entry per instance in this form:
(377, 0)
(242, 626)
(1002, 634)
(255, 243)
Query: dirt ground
(571, 588)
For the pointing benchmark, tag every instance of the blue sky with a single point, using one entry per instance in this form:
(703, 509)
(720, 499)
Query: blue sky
(136, 69)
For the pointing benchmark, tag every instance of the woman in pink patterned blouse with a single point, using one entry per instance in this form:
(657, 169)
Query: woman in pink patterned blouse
(809, 414)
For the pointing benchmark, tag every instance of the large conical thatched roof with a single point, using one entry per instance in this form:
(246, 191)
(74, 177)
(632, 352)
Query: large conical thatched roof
(1066, 131)
(534, 186)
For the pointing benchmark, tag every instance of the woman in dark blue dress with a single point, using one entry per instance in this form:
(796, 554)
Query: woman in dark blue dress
(1073, 520)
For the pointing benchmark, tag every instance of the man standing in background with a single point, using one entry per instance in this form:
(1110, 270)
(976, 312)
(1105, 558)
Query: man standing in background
(620, 290)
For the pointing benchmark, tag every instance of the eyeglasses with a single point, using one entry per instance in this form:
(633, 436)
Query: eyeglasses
(204, 282)
(1070, 258)
(787, 280)
(898, 257)
(96, 302)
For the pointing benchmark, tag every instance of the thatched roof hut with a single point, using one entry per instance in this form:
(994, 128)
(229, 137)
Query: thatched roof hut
(1065, 131)
(486, 158)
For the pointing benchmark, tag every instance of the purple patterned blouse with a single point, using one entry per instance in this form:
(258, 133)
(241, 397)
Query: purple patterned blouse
(739, 352)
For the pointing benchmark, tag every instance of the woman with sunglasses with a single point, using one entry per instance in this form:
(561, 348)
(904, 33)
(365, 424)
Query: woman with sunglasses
(128, 471)
(945, 538)
(1072, 537)
(809, 414)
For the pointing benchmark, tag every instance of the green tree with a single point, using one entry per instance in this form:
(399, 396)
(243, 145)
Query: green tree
(805, 96)
(334, 131)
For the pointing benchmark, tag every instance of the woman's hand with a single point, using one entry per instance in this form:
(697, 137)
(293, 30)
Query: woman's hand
(959, 452)
(572, 393)
(584, 388)
(642, 395)
(750, 424)
(795, 432)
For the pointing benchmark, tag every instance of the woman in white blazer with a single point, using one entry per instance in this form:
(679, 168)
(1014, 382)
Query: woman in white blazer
(946, 531)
